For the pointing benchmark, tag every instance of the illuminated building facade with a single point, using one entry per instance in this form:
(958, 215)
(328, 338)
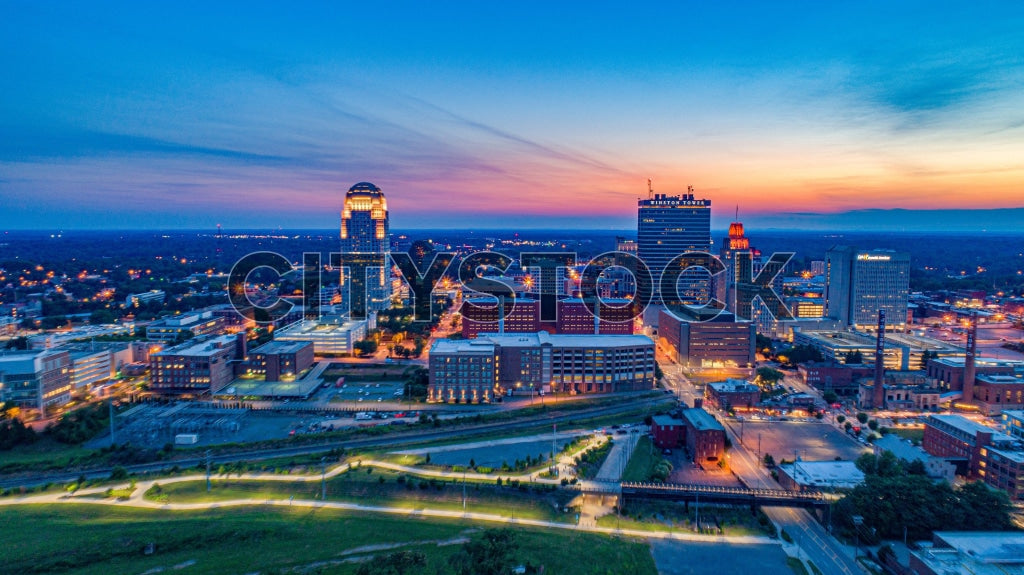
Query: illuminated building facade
(35, 379)
(474, 371)
(721, 342)
(364, 230)
(860, 283)
(196, 367)
(668, 226)
(573, 317)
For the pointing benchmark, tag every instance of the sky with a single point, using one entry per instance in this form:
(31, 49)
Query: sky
(510, 114)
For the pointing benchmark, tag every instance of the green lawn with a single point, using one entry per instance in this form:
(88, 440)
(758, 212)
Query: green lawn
(47, 454)
(669, 517)
(645, 458)
(91, 539)
(913, 434)
(358, 486)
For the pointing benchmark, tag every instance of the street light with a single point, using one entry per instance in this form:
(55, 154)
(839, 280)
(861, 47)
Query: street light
(323, 478)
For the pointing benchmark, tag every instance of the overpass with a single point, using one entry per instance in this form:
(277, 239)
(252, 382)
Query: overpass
(730, 495)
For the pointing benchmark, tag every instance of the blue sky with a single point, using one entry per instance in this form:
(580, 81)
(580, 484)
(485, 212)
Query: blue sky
(519, 115)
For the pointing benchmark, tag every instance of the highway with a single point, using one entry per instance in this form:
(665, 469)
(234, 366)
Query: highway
(389, 440)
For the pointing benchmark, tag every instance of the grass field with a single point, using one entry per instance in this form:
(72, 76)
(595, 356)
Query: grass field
(396, 490)
(100, 540)
(645, 458)
(911, 433)
(669, 517)
(47, 454)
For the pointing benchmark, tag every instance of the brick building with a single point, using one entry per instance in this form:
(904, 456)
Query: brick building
(732, 394)
(281, 358)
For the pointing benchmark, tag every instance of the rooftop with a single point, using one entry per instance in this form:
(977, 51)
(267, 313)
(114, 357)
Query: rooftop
(201, 347)
(824, 473)
(277, 346)
(976, 552)
(701, 420)
(666, 420)
(968, 426)
(733, 386)
(566, 340)
(456, 346)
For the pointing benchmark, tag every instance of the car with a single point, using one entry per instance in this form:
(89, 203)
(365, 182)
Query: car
(620, 431)
(666, 451)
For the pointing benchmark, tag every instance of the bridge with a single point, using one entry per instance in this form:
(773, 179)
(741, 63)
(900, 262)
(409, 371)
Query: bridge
(731, 495)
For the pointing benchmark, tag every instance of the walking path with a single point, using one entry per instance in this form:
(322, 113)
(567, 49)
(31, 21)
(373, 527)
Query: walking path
(138, 500)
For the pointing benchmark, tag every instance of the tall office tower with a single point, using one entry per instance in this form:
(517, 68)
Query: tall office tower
(364, 232)
(861, 283)
(668, 226)
(725, 283)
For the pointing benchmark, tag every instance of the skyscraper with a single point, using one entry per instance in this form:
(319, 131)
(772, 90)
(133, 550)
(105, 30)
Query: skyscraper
(668, 226)
(365, 236)
(861, 283)
(725, 283)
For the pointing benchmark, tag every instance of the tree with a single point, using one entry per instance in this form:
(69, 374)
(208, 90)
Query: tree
(873, 425)
(853, 357)
(365, 347)
(840, 418)
(769, 375)
(658, 374)
(927, 356)
(769, 461)
(830, 397)
(492, 553)
(884, 465)
(862, 417)
(17, 343)
(101, 316)
(417, 380)
(763, 344)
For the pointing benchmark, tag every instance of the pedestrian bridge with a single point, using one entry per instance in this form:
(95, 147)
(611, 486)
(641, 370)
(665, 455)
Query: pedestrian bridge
(732, 495)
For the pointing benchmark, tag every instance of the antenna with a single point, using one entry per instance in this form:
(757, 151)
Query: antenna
(650, 189)
(737, 212)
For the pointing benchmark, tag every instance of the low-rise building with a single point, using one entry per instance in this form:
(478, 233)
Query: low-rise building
(732, 394)
(281, 358)
(819, 475)
(97, 362)
(184, 326)
(668, 432)
(705, 436)
(330, 335)
(935, 467)
(539, 362)
(839, 378)
(195, 368)
(970, 553)
(717, 341)
(137, 299)
(35, 379)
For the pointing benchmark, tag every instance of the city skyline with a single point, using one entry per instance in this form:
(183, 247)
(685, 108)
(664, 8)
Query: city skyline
(532, 117)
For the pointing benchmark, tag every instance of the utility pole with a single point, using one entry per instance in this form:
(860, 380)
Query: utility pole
(463, 491)
(110, 404)
(208, 485)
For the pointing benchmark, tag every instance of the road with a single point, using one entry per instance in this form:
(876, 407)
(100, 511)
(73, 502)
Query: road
(384, 441)
(817, 545)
